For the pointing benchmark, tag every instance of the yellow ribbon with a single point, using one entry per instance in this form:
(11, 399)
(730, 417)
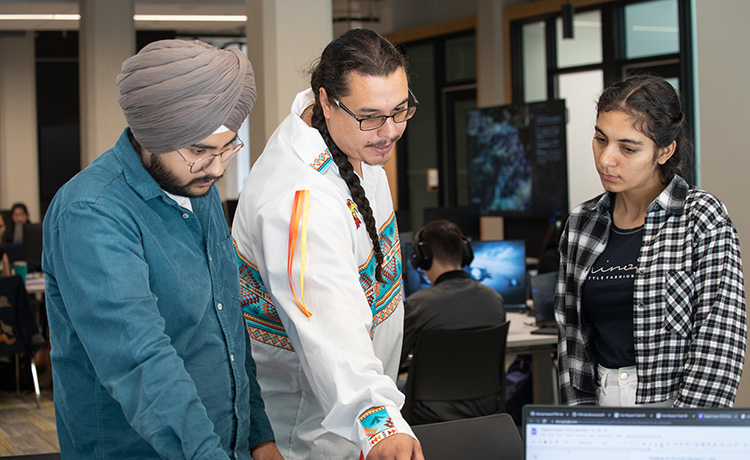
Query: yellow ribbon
(300, 211)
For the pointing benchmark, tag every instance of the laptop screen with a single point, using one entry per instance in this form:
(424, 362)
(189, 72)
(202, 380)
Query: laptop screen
(543, 294)
(638, 433)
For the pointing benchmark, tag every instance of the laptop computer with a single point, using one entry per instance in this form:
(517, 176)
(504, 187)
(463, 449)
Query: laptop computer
(543, 295)
(647, 433)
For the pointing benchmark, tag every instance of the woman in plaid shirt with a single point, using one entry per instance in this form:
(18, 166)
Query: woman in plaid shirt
(650, 300)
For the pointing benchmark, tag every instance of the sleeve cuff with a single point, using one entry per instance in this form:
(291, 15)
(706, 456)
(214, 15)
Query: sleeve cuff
(378, 423)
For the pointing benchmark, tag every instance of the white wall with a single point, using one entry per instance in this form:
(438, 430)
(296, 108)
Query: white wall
(19, 165)
(723, 76)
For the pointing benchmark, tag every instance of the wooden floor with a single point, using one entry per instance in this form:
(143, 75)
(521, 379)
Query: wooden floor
(24, 428)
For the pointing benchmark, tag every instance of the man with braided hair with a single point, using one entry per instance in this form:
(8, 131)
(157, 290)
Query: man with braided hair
(319, 260)
(150, 358)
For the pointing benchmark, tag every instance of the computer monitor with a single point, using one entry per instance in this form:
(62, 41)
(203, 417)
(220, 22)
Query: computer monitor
(32, 246)
(414, 279)
(499, 264)
(543, 296)
(648, 433)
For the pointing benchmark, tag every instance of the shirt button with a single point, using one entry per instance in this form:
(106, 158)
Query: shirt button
(235, 455)
(236, 411)
(219, 306)
(623, 375)
(185, 215)
(231, 357)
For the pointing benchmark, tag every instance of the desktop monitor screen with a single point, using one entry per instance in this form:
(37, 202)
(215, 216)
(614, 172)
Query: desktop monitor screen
(500, 265)
(517, 159)
(648, 433)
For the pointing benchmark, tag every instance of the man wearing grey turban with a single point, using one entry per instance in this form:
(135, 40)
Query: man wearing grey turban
(150, 357)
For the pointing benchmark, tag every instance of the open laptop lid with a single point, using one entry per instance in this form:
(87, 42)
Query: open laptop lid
(647, 433)
(543, 294)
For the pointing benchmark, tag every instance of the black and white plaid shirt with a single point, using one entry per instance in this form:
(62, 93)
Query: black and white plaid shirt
(688, 300)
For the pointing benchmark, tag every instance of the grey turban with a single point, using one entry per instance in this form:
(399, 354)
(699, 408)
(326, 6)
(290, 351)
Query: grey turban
(175, 93)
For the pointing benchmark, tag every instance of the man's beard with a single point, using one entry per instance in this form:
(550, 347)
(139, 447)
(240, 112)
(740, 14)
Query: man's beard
(167, 180)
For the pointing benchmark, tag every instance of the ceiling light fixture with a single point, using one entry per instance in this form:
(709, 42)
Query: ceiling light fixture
(137, 17)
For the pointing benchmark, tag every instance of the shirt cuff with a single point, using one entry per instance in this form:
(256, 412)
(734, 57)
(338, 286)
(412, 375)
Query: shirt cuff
(378, 423)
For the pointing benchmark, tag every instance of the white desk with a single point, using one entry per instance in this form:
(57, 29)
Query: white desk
(542, 348)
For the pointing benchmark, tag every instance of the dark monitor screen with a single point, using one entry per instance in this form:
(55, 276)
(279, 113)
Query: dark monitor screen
(32, 246)
(543, 294)
(518, 159)
(500, 265)
(466, 217)
(414, 279)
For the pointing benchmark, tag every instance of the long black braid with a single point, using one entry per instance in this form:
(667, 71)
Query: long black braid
(367, 53)
(355, 188)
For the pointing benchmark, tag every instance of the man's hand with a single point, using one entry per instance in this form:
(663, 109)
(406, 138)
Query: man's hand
(266, 451)
(397, 447)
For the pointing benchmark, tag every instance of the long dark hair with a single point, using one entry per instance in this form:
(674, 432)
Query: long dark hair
(656, 110)
(367, 53)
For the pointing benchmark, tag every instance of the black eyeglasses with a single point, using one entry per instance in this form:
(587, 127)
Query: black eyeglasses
(207, 159)
(372, 123)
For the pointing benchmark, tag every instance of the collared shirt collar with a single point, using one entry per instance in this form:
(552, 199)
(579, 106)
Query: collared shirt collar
(453, 274)
(671, 199)
(135, 173)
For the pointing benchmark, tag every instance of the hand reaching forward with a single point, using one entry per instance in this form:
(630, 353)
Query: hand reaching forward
(397, 447)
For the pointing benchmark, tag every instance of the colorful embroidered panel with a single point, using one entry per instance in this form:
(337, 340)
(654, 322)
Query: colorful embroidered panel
(263, 322)
(383, 297)
(377, 424)
(322, 162)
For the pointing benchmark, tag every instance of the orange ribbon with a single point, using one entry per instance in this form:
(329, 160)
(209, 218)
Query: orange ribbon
(300, 211)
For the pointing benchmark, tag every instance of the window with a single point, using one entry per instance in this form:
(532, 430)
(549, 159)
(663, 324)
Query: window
(611, 40)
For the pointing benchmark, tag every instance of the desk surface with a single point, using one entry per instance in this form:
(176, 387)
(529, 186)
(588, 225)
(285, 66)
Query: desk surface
(520, 336)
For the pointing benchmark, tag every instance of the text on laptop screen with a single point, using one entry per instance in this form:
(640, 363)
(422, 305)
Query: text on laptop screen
(596, 433)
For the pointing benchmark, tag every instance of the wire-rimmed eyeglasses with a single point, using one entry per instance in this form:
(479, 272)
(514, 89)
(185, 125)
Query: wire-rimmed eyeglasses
(372, 123)
(207, 159)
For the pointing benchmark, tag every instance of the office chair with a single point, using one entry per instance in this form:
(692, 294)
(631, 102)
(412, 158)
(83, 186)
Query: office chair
(456, 366)
(19, 331)
(490, 437)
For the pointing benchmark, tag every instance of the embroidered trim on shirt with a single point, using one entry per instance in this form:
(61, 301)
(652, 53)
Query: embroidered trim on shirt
(261, 318)
(322, 162)
(383, 298)
(377, 424)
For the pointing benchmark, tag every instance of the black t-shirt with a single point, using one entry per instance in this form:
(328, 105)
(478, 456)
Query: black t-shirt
(607, 298)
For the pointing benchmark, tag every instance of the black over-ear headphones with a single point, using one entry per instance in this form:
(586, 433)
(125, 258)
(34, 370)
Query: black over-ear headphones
(421, 254)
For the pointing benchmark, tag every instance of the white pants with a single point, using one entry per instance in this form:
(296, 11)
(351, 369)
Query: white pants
(617, 388)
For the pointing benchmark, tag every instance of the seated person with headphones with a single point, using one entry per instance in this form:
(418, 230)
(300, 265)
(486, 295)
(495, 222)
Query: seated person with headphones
(455, 301)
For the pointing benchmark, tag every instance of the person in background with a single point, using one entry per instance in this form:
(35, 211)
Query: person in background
(4, 263)
(320, 263)
(20, 214)
(650, 301)
(150, 358)
(456, 302)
